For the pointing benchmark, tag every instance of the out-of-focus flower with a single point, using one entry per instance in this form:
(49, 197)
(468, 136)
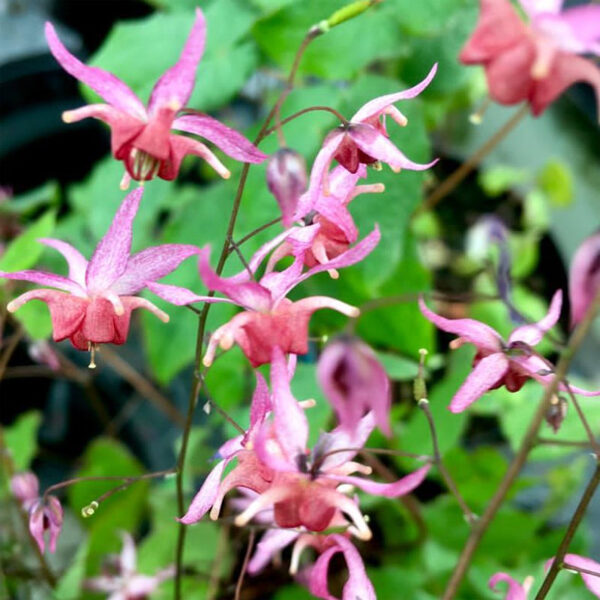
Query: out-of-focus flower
(584, 277)
(126, 583)
(520, 591)
(355, 382)
(286, 179)
(497, 362)
(270, 320)
(96, 299)
(536, 62)
(141, 137)
(45, 512)
(42, 352)
(364, 140)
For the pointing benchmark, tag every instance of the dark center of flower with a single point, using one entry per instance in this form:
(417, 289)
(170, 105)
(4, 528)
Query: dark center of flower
(142, 166)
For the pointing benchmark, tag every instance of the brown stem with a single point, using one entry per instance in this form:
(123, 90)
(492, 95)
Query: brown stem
(550, 442)
(299, 113)
(240, 581)
(569, 567)
(571, 528)
(10, 348)
(472, 162)
(591, 437)
(215, 573)
(253, 233)
(529, 440)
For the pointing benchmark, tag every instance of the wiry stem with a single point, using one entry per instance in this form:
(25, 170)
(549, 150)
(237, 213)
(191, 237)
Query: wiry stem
(529, 440)
(299, 113)
(240, 581)
(571, 528)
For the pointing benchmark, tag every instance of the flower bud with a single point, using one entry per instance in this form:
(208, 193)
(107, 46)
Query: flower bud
(354, 382)
(584, 277)
(556, 413)
(286, 180)
(46, 515)
(25, 487)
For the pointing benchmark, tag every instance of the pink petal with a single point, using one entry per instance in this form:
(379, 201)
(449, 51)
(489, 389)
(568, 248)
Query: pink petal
(317, 584)
(378, 146)
(377, 105)
(584, 21)
(77, 263)
(140, 586)
(337, 213)
(231, 142)
(151, 264)
(480, 334)
(251, 294)
(291, 425)
(536, 7)
(261, 402)
(110, 258)
(533, 334)
(584, 277)
(206, 496)
(175, 87)
(180, 296)
(485, 375)
(401, 487)
(128, 559)
(181, 146)
(358, 584)
(515, 590)
(592, 582)
(43, 278)
(105, 84)
(270, 544)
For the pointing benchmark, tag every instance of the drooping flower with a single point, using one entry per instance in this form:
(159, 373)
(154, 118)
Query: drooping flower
(584, 277)
(355, 382)
(270, 319)
(286, 180)
(498, 362)
(520, 591)
(95, 301)
(45, 512)
(364, 139)
(141, 136)
(534, 63)
(122, 581)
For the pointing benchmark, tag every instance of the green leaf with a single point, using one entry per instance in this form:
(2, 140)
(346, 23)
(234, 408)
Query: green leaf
(69, 585)
(24, 251)
(25, 204)
(498, 179)
(556, 181)
(21, 439)
(35, 318)
(398, 367)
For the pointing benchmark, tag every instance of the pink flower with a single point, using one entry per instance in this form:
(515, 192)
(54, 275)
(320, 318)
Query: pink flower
(25, 487)
(515, 590)
(270, 320)
(497, 362)
(355, 382)
(364, 139)
(534, 63)
(141, 137)
(96, 299)
(127, 583)
(584, 277)
(45, 515)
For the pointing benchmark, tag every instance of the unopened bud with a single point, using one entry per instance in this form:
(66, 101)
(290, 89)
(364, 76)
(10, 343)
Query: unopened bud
(25, 487)
(556, 413)
(286, 180)
(89, 510)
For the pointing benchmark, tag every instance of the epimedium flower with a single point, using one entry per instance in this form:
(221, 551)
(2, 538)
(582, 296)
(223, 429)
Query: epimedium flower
(497, 362)
(270, 319)
(354, 382)
(584, 277)
(535, 62)
(364, 139)
(45, 512)
(520, 591)
(95, 301)
(122, 581)
(142, 136)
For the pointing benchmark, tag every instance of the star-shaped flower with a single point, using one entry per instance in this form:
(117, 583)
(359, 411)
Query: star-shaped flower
(141, 136)
(498, 362)
(96, 299)
(536, 62)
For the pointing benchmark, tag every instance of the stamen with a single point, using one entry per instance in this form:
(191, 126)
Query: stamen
(125, 181)
(145, 166)
(92, 347)
(476, 118)
(301, 543)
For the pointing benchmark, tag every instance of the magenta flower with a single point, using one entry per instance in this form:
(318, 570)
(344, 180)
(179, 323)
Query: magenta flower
(127, 583)
(141, 137)
(584, 277)
(355, 382)
(270, 320)
(497, 362)
(364, 139)
(96, 299)
(534, 63)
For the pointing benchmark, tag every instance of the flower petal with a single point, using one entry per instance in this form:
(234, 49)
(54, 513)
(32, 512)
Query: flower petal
(317, 583)
(536, 7)
(206, 496)
(515, 590)
(485, 375)
(175, 87)
(231, 142)
(110, 258)
(532, 334)
(584, 22)
(105, 84)
(584, 277)
(377, 105)
(180, 147)
(358, 584)
(592, 582)
(261, 402)
(77, 263)
(271, 543)
(480, 334)
(181, 296)
(151, 264)
(128, 559)
(43, 278)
